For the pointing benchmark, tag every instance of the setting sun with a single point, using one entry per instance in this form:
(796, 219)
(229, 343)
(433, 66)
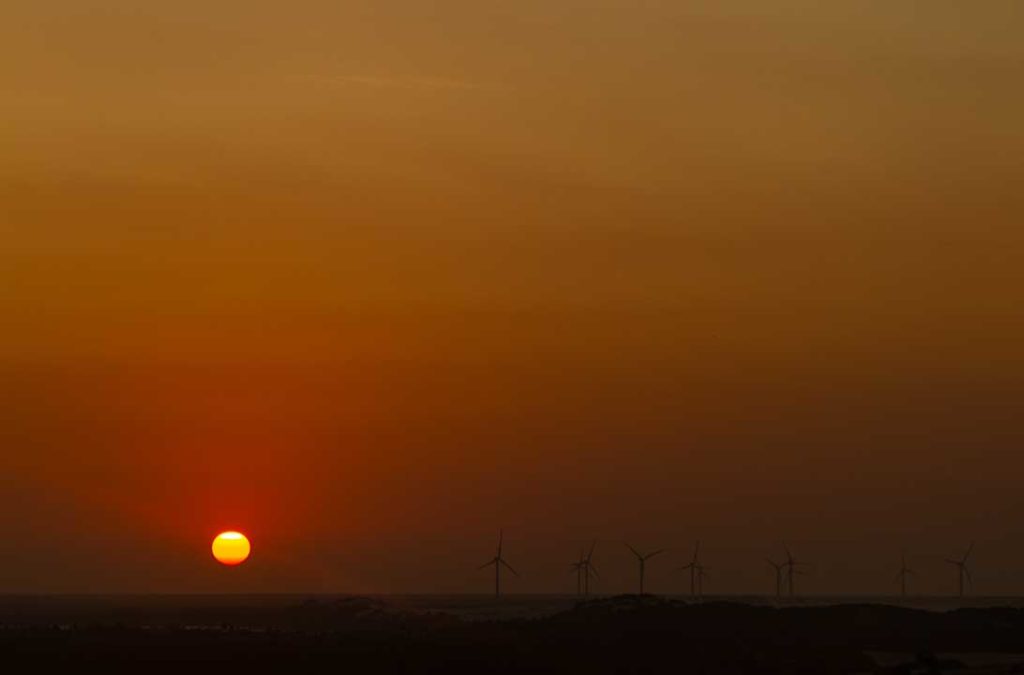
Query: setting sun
(231, 548)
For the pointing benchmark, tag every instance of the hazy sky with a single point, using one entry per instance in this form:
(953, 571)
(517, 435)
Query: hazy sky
(369, 279)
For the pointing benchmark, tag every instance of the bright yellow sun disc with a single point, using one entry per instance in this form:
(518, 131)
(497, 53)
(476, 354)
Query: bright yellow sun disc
(231, 548)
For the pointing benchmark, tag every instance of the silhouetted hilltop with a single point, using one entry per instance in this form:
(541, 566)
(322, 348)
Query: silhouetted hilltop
(624, 634)
(874, 627)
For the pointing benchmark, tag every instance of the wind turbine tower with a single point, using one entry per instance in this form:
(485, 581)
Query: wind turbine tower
(693, 566)
(642, 559)
(589, 569)
(578, 567)
(498, 561)
(962, 571)
(702, 573)
(792, 570)
(584, 571)
(902, 575)
(778, 567)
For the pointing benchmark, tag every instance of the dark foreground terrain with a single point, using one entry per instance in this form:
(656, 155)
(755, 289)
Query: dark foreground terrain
(625, 634)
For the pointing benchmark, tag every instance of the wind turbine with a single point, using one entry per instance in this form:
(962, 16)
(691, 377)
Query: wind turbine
(961, 568)
(693, 566)
(791, 566)
(778, 576)
(701, 575)
(589, 569)
(642, 559)
(584, 570)
(498, 561)
(902, 575)
(578, 567)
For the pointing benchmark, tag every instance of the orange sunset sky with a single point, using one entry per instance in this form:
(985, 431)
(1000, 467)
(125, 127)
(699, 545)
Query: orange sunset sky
(368, 280)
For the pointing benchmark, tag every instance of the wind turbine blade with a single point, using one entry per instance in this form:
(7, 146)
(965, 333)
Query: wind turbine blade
(635, 552)
(967, 573)
(696, 551)
(592, 547)
(967, 555)
(593, 570)
(486, 564)
(685, 567)
(651, 555)
(502, 561)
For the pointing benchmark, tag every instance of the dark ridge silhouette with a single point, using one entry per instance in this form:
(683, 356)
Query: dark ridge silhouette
(624, 634)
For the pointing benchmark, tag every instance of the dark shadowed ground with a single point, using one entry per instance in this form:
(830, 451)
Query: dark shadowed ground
(624, 634)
